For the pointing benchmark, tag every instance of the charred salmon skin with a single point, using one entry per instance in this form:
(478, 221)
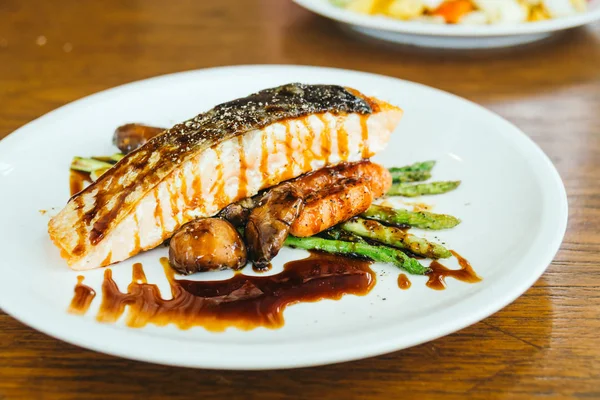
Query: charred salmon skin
(200, 166)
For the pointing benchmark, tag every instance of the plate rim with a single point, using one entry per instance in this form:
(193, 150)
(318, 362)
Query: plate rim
(382, 23)
(187, 358)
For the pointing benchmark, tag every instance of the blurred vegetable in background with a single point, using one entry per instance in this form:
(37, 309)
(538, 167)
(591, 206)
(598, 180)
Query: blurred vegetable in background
(468, 12)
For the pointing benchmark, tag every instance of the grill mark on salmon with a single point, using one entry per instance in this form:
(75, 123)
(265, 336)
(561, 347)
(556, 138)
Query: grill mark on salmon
(99, 218)
(81, 231)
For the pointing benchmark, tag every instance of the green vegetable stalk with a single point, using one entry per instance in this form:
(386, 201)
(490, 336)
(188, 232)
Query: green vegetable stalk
(88, 164)
(395, 237)
(417, 219)
(416, 167)
(409, 190)
(375, 253)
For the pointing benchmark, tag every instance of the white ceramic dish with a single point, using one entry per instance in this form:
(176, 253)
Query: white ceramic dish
(449, 36)
(512, 203)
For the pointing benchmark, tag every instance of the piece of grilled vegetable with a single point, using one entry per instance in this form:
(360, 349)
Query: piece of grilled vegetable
(206, 244)
(130, 137)
(383, 254)
(395, 237)
(269, 223)
(418, 219)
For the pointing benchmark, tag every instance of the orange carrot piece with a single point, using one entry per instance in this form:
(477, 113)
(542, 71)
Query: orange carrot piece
(454, 9)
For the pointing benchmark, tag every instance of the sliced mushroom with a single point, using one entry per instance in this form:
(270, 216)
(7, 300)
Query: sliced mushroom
(239, 212)
(269, 223)
(129, 137)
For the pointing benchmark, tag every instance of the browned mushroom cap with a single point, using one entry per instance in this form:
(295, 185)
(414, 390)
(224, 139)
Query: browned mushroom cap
(269, 223)
(206, 244)
(238, 213)
(132, 136)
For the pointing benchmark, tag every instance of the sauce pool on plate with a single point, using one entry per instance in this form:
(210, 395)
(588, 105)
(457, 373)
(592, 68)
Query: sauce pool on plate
(403, 282)
(82, 298)
(438, 274)
(244, 302)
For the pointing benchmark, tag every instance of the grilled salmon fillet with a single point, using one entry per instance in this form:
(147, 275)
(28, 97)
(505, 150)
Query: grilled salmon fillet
(200, 166)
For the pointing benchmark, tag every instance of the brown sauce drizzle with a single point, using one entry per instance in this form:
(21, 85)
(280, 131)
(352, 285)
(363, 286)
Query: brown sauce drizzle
(325, 139)
(106, 261)
(342, 138)
(184, 189)
(258, 269)
(308, 153)
(196, 191)
(264, 157)
(136, 235)
(438, 274)
(137, 273)
(364, 130)
(173, 201)
(158, 212)
(221, 199)
(243, 183)
(403, 282)
(82, 298)
(77, 181)
(100, 227)
(289, 152)
(245, 302)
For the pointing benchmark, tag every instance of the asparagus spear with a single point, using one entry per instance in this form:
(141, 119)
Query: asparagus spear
(418, 166)
(395, 237)
(410, 176)
(376, 253)
(96, 165)
(420, 219)
(419, 171)
(408, 190)
(88, 164)
(340, 234)
(113, 159)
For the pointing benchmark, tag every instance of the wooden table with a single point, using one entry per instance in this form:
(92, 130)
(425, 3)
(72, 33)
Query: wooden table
(546, 344)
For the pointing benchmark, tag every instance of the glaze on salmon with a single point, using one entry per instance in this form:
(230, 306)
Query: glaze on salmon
(200, 166)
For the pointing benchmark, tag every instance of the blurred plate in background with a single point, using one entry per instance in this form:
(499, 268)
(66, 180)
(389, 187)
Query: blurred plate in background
(425, 34)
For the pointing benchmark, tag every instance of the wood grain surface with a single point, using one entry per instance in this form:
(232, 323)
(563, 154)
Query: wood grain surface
(544, 345)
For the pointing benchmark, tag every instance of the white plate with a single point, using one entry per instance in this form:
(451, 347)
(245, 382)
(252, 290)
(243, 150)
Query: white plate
(512, 203)
(449, 36)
